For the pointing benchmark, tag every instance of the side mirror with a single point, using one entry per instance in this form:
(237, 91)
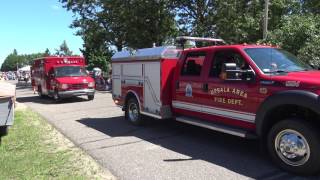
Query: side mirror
(234, 73)
(248, 75)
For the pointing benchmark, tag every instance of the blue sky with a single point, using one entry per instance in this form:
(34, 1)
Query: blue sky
(31, 26)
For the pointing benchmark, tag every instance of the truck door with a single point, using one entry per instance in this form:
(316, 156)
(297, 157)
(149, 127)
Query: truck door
(188, 85)
(230, 102)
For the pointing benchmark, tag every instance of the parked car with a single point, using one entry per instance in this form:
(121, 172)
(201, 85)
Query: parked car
(7, 99)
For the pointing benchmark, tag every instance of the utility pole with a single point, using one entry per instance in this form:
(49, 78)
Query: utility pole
(265, 20)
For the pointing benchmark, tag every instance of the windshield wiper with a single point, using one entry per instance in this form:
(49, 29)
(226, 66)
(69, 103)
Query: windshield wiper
(280, 71)
(277, 71)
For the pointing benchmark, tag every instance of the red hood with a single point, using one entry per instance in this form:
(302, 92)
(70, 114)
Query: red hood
(303, 77)
(74, 80)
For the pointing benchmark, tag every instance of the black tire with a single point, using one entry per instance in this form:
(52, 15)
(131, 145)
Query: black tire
(3, 130)
(305, 161)
(56, 96)
(132, 113)
(90, 97)
(40, 92)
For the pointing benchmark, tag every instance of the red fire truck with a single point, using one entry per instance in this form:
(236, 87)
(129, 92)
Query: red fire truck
(250, 91)
(61, 77)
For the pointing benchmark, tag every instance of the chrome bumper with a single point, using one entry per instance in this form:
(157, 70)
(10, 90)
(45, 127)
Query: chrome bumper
(79, 92)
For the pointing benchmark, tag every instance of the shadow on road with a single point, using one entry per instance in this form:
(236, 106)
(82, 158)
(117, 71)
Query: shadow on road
(236, 154)
(23, 86)
(48, 100)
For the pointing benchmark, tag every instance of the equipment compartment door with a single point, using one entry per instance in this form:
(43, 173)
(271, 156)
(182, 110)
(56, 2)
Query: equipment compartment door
(116, 80)
(151, 88)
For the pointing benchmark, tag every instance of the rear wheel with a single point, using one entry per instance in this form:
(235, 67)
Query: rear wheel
(294, 144)
(133, 112)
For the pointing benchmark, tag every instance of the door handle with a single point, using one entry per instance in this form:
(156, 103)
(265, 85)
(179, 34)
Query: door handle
(205, 87)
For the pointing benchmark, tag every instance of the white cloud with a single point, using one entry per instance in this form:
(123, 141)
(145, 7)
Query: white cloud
(55, 7)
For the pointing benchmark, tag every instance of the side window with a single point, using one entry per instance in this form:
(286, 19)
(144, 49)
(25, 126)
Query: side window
(217, 67)
(193, 64)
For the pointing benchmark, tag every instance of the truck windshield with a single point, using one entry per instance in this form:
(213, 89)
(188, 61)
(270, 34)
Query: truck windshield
(69, 71)
(272, 60)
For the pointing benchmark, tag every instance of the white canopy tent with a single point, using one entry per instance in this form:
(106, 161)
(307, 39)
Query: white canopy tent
(25, 68)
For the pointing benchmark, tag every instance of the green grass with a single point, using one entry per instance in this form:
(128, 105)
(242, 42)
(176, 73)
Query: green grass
(28, 152)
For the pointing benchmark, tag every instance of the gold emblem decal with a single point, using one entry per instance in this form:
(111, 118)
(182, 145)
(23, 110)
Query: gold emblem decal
(237, 92)
(263, 90)
(240, 95)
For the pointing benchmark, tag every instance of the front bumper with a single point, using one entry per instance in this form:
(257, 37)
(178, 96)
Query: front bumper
(79, 92)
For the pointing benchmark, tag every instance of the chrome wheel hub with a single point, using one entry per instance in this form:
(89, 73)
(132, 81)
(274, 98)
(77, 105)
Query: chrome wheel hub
(133, 112)
(292, 147)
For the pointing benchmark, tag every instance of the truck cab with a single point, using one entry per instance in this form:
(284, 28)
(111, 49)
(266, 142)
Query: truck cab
(62, 77)
(249, 91)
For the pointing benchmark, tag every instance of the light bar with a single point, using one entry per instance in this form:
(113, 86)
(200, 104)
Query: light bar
(185, 38)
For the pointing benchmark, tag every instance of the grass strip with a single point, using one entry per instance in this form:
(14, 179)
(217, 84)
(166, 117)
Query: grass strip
(32, 150)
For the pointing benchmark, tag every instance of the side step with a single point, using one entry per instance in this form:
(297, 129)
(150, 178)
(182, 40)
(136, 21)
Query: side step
(216, 127)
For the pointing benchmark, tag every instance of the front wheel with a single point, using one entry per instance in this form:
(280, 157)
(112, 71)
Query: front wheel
(294, 145)
(40, 92)
(132, 113)
(56, 96)
(90, 97)
(3, 130)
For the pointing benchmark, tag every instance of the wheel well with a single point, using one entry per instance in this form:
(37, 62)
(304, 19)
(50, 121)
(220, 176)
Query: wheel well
(288, 111)
(129, 96)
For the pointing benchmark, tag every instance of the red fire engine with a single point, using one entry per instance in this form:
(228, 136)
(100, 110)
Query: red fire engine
(250, 91)
(61, 77)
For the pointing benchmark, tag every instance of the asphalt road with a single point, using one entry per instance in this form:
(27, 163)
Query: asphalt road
(158, 150)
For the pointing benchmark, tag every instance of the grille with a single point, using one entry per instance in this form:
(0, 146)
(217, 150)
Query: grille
(78, 86)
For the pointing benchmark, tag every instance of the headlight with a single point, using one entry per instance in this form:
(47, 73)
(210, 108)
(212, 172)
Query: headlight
(91, 84)
(64, 86)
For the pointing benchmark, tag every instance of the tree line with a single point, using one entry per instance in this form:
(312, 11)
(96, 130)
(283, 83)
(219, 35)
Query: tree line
(109, 25)
(15, 61)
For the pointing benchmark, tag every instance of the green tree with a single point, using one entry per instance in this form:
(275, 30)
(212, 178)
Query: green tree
(299, 34)
(108, 24)
(310, 53)
(47, 52)
(196, 17)
(295, 31)
(63, 50)
(311, 6)
(126, 23)
(239, 21)
(14, 60)
(15, 52)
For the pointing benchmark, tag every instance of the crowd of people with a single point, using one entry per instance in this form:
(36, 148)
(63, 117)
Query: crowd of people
(10, 75)
(15, 75)
(103, 81)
